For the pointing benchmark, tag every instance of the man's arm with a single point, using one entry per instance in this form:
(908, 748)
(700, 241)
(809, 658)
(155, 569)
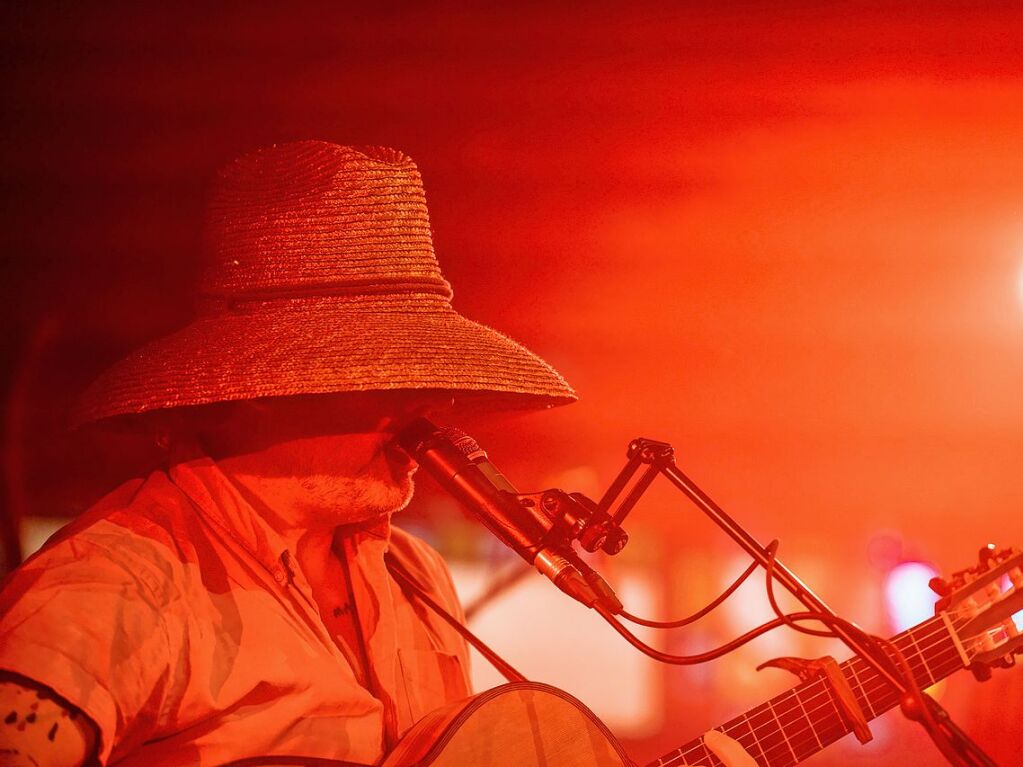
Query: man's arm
(37, 729)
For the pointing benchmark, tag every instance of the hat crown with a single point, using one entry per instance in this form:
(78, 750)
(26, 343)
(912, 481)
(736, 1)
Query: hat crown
(320, 278)
(314, 217)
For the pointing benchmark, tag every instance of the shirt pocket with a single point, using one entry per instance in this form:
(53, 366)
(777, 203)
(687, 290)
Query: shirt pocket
(430, 679)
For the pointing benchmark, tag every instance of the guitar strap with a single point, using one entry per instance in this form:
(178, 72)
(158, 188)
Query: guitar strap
(412, 587)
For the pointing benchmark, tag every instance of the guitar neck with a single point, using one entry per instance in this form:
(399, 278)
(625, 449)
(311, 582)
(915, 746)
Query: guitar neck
(806, 719)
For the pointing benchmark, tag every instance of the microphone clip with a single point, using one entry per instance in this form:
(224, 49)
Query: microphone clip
(573, 516)
(598, 526)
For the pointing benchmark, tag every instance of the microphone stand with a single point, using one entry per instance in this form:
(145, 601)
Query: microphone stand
(659, 458)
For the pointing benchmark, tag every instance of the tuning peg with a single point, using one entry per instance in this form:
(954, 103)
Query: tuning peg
(940, 587)
(1016, 578)
(986, 554)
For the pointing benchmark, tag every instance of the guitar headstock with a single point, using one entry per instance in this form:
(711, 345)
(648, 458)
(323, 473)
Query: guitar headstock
(980, 603)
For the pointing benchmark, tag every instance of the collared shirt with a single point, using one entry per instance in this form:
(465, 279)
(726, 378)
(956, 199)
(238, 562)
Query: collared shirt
(173, 617)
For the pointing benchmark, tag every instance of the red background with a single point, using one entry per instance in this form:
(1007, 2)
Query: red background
(786, 238)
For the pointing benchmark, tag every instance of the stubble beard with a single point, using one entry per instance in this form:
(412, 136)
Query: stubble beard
(342, 501)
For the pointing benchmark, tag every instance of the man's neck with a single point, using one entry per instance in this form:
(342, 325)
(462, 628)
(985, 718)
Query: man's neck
(311, 490)
(307, 519)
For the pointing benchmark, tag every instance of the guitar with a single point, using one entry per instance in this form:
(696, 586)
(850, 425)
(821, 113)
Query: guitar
(534, 725)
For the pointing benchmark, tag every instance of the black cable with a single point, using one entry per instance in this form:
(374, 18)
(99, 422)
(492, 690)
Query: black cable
(869, 642)
(772, 550)
(876, 646)
(698, 614)
(690, 660)
(883, 651)
(781, 619)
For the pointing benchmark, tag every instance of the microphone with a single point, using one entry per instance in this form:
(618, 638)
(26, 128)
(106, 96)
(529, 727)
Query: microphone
(462, 468)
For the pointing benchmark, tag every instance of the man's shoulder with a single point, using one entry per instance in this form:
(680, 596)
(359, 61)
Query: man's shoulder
(150, 507)
(129, 534)
(415, 553)
(424, 563)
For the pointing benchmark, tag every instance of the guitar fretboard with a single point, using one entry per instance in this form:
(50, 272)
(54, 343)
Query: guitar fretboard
(805, 719)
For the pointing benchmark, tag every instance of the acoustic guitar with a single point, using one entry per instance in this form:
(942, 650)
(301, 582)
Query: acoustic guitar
(535, 725)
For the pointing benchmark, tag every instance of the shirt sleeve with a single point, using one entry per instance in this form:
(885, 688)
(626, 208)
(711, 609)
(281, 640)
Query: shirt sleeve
(86, 622)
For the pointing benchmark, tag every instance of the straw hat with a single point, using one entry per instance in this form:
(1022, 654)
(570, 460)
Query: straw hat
(320, 278)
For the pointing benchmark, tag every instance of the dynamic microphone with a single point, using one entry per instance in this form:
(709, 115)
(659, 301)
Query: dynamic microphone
(461, 467)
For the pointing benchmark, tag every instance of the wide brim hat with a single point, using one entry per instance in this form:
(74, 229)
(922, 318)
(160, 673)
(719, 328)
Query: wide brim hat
(320, 278)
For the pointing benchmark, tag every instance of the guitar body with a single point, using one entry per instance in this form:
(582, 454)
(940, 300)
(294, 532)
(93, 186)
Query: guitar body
(523, 724)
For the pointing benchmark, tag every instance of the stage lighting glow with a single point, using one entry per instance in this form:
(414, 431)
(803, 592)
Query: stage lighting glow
(1019, 284)
(1017, 618)
(908, 597)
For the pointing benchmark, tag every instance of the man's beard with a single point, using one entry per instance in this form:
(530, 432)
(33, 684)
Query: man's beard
(347, 500)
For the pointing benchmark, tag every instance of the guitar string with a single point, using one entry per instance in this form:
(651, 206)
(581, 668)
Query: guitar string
(873, 687)
(795, 739)
(917, 662)
(818, 690)
(935, 628)
(785, 748)
(825, 691)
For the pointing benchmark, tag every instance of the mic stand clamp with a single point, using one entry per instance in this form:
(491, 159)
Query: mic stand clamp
(573, 516)
(569, 517)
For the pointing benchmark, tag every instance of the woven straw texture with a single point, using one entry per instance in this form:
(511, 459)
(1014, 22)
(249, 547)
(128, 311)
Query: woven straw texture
(320, 277)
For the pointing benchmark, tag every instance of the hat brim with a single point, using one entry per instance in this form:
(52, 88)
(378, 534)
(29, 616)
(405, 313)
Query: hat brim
(331, 348)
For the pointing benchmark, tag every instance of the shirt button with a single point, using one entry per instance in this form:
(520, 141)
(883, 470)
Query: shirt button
(279, 576)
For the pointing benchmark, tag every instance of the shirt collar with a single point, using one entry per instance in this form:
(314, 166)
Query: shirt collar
(218, 499)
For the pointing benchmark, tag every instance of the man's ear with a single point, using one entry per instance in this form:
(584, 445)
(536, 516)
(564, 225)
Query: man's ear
(229, 428)
(164, 427)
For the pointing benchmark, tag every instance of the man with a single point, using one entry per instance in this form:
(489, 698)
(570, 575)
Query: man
(237, 604)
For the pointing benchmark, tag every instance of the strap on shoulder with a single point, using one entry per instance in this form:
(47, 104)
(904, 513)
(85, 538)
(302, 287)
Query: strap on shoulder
(409, 585)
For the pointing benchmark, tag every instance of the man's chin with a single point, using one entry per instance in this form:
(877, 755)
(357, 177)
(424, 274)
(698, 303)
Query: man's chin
(383, 498)
(409, 490)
